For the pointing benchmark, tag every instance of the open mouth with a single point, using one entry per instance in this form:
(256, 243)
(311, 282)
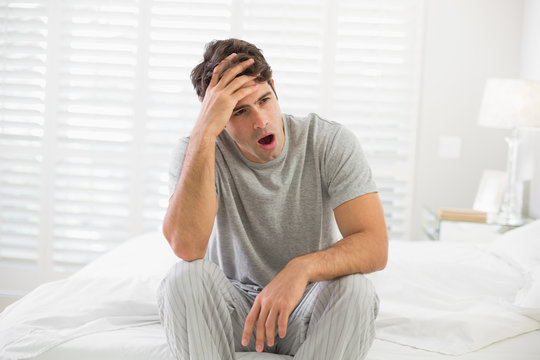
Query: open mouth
(266, 140)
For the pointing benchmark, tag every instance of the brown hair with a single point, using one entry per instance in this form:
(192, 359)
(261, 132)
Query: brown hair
(217, 50)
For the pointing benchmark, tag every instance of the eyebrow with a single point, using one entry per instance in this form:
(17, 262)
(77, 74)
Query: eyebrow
(246, 105)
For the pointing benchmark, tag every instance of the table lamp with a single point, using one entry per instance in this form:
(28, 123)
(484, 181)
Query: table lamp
(511, 104)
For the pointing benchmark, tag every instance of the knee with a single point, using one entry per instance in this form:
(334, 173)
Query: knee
(187, 277)
(358, 293)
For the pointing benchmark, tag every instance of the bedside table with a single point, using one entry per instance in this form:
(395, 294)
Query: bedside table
(460, 231)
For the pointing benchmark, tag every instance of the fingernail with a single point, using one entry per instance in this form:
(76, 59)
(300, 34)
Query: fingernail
(259, 348)
(244, 342)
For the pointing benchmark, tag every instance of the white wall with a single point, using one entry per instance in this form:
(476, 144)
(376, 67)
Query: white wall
(530, 69)
(530, 52)
(466, 42)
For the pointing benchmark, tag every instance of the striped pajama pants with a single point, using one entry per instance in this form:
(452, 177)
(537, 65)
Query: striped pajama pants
(203, 315)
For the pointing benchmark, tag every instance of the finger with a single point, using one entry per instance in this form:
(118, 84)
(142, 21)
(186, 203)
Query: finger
(231, 73)
(241, 81)
(245, 91)
(282, 324)
(246, 88)
(261, 330)
(271, 327)
(250, 323)
(219, 68)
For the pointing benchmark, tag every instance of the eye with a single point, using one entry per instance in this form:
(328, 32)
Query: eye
(263, 100)
(239, 112)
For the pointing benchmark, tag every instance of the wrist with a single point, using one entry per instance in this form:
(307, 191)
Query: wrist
(210, 126)
(303, 266)
(203, 136)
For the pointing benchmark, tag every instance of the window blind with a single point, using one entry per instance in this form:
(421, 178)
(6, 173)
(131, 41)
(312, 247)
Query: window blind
(375, 93)
(178, 31)
(289, 33)
(94, 92)
(93, 96)
(22, 106)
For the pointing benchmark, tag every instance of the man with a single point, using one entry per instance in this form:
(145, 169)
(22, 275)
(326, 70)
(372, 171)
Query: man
(255, 199)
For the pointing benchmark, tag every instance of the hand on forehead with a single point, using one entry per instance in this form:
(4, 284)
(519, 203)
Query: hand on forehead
(241, 57)
(250, 83)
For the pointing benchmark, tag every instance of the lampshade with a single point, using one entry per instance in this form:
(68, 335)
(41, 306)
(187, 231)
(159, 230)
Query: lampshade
(510, 103)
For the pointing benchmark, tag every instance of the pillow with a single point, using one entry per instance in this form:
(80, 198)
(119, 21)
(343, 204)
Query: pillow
(529, 295)
(520, 247)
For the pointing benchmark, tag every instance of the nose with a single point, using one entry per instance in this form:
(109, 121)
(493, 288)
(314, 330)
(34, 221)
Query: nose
(259, 120)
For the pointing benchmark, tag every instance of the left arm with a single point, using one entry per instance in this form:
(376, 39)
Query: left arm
(363, 249)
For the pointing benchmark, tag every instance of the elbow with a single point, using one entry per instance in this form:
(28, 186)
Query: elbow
(180, 248)
(184, 252)
(383, 261)
(383, 253)
(188, 256)
(379, 254)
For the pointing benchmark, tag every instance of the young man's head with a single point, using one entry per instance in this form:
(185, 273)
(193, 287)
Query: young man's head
(218, 50)
(255, 124)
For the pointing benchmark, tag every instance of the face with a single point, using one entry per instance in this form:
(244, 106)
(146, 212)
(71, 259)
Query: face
(256, 125)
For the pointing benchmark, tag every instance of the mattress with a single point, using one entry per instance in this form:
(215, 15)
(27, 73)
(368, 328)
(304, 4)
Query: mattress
(438, 300)
(148, 342)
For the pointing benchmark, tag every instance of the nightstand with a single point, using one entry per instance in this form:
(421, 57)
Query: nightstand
(459, 231)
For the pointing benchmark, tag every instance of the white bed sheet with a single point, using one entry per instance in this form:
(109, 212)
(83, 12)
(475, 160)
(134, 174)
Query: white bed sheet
(441, 298)
(148, 342)
(138, 343)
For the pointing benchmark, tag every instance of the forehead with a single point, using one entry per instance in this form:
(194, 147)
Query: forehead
(253, 97)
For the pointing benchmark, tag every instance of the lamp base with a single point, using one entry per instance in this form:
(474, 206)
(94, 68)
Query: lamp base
(509, 219)
(512, 204)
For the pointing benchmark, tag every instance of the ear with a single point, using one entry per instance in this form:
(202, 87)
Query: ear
(274, 87)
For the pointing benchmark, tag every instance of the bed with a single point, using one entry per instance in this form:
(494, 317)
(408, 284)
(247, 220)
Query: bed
(438, 301)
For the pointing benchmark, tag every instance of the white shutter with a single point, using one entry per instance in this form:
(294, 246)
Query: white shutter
(94, 94)
(94, 128)
(23, 48)
(178, 33)
(289, 34)
(23, 55)
(375, 93)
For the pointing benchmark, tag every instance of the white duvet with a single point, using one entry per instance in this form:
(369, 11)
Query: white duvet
(448, 298)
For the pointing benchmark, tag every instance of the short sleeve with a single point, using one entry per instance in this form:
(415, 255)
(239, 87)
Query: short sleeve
(346, 171)
(175, 164)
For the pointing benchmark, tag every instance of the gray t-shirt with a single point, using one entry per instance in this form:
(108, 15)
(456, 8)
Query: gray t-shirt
(270, 213)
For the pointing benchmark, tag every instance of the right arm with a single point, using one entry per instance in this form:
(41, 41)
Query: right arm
(193, 206)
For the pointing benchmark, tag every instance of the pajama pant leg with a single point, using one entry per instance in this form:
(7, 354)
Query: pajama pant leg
(203, 315)
(335, 320)
(202, 312)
